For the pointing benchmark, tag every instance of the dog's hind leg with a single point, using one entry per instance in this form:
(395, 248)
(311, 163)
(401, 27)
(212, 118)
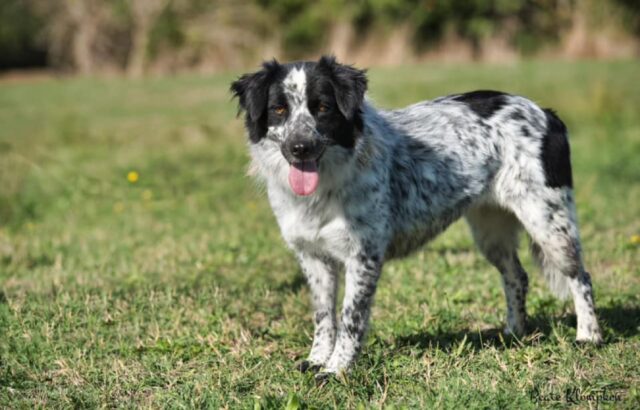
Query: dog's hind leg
(495, 231)
(549, 216)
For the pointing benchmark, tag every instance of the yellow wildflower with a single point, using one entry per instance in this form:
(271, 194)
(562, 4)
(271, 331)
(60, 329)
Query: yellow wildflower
(635, 239)
(133, 177)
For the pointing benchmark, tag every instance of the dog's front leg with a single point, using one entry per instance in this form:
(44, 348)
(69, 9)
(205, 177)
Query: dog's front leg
(362, 273)
(321, 275)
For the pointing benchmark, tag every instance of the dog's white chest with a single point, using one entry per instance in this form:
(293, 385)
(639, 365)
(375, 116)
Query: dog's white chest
(318, 230)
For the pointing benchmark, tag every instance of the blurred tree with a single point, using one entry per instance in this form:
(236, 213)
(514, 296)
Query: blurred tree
(144, 14)
(85, 16)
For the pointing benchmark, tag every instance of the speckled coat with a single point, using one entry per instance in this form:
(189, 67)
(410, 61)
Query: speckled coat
(401, 178)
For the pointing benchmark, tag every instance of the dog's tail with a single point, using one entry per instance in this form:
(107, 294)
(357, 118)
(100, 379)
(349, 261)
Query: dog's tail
(556, 279)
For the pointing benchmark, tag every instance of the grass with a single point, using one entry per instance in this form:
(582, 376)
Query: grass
(177, 291)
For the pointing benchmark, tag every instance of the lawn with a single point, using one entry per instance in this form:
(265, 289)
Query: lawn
(141, 267)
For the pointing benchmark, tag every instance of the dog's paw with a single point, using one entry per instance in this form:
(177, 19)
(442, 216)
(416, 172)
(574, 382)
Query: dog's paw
(516, 330)
(594, 340)
(592, 336)
(323, 377)
(304, 366)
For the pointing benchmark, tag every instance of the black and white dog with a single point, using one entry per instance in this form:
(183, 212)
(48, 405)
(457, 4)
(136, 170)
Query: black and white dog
(353, 186)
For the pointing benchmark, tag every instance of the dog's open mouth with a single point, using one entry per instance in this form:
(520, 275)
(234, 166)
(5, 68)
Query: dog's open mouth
(303, 177)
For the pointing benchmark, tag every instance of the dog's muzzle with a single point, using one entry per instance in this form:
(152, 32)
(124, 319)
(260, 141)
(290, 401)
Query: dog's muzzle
(303, 154)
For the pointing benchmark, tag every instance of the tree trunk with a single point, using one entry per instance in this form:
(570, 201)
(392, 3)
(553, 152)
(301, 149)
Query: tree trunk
(84, 18)
(139, 46)
(144, 13)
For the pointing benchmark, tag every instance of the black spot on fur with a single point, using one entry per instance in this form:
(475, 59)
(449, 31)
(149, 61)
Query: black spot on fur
(353, 330)
(419, 149)
(320, 316)
(553, 206)
(483, 102)
(585, 279)
(305, 366)
(556, 157)
(517, 115)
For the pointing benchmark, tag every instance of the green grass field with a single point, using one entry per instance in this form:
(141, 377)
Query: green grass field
(176, 290)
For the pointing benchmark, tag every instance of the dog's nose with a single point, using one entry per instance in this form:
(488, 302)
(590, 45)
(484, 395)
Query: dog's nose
(301, 149)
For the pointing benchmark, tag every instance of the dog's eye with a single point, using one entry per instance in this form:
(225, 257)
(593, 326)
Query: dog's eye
(280, 110)
(323, 108)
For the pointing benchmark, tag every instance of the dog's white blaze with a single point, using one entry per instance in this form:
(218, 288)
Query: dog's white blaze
(295, 88)
(296, 81)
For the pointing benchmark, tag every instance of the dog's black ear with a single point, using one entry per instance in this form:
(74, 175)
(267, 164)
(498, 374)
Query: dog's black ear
(252, 90)
(349, 84)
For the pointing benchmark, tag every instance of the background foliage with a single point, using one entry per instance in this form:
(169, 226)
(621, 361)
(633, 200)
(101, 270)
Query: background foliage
(169, 35)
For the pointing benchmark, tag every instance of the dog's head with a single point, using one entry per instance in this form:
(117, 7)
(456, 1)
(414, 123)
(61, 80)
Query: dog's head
(309, 110)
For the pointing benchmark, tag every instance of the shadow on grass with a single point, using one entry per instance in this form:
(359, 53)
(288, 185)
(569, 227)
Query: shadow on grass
(617, 322)
(294, 285)
(622, 321)
(448, 341)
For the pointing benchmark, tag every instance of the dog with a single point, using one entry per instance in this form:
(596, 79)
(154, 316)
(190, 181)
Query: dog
(353, 186)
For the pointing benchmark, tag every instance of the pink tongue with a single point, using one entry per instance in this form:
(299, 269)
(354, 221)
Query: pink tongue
(303, 177)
